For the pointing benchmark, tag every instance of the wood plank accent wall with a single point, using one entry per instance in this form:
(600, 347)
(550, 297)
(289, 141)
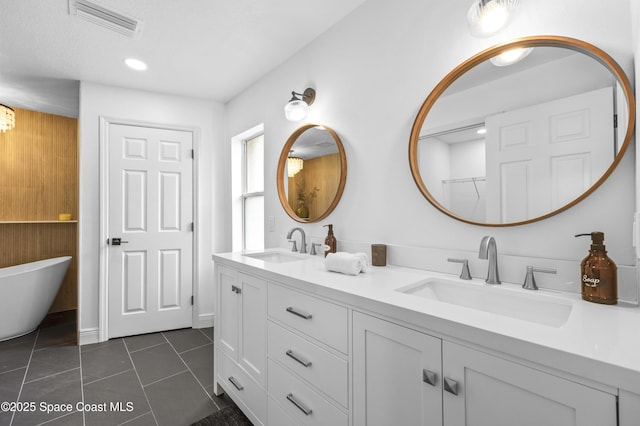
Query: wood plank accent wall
(321, 172)
(39, 180)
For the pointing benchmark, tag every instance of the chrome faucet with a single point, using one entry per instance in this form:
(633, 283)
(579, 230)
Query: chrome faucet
(303, 239)
(488, 250)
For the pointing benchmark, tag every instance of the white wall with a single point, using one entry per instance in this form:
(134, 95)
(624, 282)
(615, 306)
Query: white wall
(373, 70)
(207, 118)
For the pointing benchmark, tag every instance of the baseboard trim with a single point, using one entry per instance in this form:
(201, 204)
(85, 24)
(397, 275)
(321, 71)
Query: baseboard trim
(88, 336)
(205, 321)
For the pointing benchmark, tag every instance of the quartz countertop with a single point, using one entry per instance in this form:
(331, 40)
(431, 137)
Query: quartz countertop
(598, 342)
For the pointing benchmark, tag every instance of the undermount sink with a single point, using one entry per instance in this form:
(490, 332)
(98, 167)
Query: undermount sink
(275, 256)
(515, 303)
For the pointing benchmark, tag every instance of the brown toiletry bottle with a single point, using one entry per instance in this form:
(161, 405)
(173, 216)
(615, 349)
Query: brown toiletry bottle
(598, 273)
(329, 242)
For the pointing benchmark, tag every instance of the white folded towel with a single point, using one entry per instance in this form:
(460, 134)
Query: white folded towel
(345, 263)
(366, 263)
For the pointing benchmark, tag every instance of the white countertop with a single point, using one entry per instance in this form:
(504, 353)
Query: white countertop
(598, 342)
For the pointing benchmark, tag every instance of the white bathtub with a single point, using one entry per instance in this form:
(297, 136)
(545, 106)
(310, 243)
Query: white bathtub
(26, 294)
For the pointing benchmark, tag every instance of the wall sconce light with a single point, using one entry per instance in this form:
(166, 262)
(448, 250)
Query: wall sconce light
(298, 108)
(510, 57)
(487, 17)
(7, 118)
(294, 165)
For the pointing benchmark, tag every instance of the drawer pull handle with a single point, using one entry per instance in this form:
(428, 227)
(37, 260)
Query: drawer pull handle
(235, 289)
(236, 384)
(306, 410)
(429, 377)
(298, 358)
(300, 314)
(451, 386)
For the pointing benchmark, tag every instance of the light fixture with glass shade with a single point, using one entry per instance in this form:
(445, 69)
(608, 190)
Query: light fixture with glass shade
(487, 17)
(298, 106)
(294, 165)
(510, 57)
(7, 118)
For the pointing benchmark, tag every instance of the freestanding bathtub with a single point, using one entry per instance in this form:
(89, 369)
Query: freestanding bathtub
(26, 294)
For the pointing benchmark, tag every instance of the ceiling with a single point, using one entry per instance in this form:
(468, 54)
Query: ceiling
(209, 49)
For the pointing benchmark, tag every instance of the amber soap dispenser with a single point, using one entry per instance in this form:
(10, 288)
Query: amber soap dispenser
(330, 242)
(598, 273)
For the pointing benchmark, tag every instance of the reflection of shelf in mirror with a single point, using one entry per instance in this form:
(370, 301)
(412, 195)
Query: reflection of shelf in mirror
(16, 222)
(467, 180)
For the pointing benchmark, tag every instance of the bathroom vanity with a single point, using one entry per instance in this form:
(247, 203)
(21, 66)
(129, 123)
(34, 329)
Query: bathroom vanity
(296, 344)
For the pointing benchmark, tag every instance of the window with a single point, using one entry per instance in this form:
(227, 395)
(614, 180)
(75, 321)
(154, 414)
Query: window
(253, 193)
(247, 189)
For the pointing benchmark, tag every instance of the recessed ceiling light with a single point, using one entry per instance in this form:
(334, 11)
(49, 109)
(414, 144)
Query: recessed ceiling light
(135, 64)
(481, 131)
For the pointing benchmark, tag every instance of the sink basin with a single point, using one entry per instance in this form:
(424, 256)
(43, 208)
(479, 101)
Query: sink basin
(275, 256)
(515, 303)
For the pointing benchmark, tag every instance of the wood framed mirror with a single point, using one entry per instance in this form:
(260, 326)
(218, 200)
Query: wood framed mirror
(553, 128)
(312, 172)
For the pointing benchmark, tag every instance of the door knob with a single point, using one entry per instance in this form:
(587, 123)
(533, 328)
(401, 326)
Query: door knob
(117, 241)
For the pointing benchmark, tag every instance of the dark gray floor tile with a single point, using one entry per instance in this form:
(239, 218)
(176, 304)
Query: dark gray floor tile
(62, 389)
(118, 399)
(144, 420)
(207, 332)
(104, 360)
(221, 401)
(179, 400)
(157, 363)
(58, 335)
(143, 341)
(10, 383)
(73, 419)
(15, 353)
(188, 338)
(52, 360)
(200, 362)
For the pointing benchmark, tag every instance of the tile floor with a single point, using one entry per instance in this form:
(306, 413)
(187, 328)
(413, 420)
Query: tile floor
(154, 379)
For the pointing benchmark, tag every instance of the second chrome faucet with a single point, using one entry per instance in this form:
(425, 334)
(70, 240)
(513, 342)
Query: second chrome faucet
(489, 250)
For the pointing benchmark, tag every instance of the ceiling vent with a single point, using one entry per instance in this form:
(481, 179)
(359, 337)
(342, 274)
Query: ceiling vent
(100, 15)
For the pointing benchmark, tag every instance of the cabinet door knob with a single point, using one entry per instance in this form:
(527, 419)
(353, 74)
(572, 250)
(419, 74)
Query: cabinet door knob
(451, 386)
(298, 358)
(306, 410)
(429, 377)
(235, 383)
(298, 313)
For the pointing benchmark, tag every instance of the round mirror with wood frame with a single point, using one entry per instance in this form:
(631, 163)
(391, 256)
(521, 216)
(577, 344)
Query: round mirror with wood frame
(312, 172)
(496, 179)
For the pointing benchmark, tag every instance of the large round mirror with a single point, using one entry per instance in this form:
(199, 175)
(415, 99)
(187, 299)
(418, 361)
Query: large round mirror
(501, 143)
(312, 172)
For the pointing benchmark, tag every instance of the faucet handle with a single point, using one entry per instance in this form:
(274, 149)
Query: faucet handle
(313, 251)
(530, 280)
(295, 246)
(465, 274)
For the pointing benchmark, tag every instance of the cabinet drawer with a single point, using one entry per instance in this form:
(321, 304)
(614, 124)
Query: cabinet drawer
(277, 416)
(242, 388)
(319, 319)
(299, 401)
(314, 364)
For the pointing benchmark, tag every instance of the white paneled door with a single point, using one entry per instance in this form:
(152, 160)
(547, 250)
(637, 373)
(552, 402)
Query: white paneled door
(150, 267)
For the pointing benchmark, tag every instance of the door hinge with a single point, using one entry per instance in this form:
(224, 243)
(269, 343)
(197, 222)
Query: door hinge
(615, 121)
(191, 300)
(191, 227)
(193, 153)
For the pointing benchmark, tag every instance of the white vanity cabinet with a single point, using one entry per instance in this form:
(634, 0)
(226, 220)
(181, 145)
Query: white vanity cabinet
(402, 376)
(308, 365)
(240, 338)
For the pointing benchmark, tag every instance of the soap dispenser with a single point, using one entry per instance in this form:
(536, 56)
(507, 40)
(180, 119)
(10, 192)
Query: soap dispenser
(330, 242)
(598, 273)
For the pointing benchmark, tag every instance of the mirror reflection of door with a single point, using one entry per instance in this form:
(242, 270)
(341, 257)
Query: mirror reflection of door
(549, 135)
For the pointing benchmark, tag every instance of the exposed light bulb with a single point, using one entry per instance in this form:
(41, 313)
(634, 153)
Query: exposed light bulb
(296, 110)
(510, 57)
(135, 64)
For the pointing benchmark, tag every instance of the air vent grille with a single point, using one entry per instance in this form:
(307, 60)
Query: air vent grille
(100, 15)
